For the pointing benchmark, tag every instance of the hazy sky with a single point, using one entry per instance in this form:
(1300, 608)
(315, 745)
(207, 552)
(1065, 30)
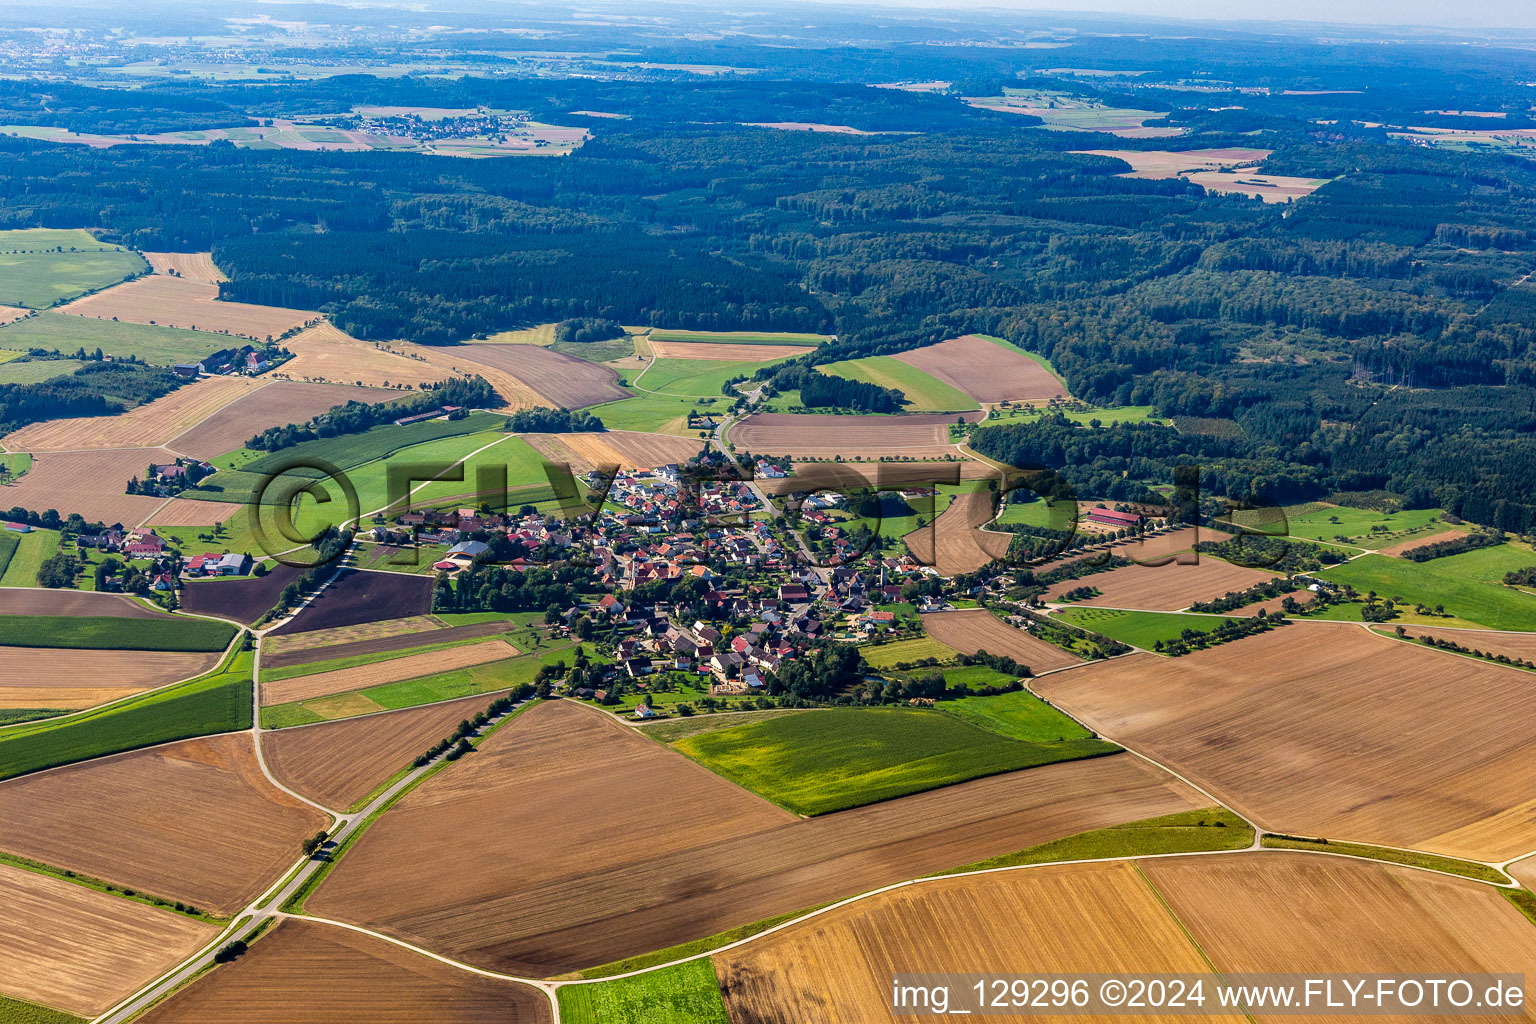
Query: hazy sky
(1477, 14)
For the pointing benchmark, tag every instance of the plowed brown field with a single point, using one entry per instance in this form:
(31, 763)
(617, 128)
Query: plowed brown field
(627, 449)
(339, 763)
(357, 596)
(90, 483)
(309, 973)
(954, 543)
(560, 381)
(193, 821)
(413, 666)
(979, 630)
(724, 352)
(326, 354)
(1071, 918)
(182, 302)
(146, 426)
(378, 644)
(552, 830)
(80, 950)
(1326, 729)
(191, 512)
(39, 677)
(277, 403)
(986, 371)
(193, 266)
(1163, 588)
(278, 647)
(921, 436)
(17, 601)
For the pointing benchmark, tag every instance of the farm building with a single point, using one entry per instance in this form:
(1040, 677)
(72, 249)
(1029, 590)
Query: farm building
(1119, 520)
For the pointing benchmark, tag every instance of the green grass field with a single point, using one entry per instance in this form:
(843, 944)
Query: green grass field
(1184, 832)
(1139, 629)
(160, 346)
(682, 994)
(31, 275)
(738, 338)
(18, 1011)
(9, 542)
(1106, 417)
(833, 759)
(1019, 715)
(924, 393)
(972, 677)
(105, 633)
(32, 549)
(6, 355)
(217, 702)
(688, 378)
(1061, 515)
(1470, 585)
(1452, 865)
(889, 655)
(1358, 527)
(31, 371)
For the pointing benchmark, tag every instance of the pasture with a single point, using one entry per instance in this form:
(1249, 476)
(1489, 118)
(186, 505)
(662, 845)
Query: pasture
(1470, 585)
(308, 973)
(834, 759)
(1357, 527)
(1139, 629)
(988, 369)
(101, 633)
(923, 393)
(44, 266)
(974, 631)
(684, 994)
(31, 371)
(188, 304)
(217, 702)
(1325, 729)
(719, 857)
(193, 821)
(156, 345)
(896, 652)
(1019, 715)
(72, 947)
(338, 764)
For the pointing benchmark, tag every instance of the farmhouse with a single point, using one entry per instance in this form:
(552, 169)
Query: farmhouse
(1118, 520)
(212, 564)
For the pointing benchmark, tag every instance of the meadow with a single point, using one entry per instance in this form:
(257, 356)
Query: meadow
(924, 393)
(889, 655)
(9, 542)
(684, 994)
(215, 703)
(30, 371)
(36, 278)
(1199, 831)
(32, 549)
(1139, 629)
(103, 633)
(1358, 527)
(837, 758)
(1469, 585)
(157, 345)
(19, 1011)
(667, 389)
(1019, 715)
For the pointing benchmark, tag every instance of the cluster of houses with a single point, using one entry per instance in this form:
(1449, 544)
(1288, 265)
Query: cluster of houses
(245, 359)
(419, 129)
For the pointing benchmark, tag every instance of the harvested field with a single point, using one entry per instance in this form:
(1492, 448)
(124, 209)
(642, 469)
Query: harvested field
(91, 483)
(724, 352)
(1515, 645)
(277, 403)
(1326, 729)
(979, 630)
(340, 763)
(37, 677)
(193, 821)
(1397, 550)
(628, 449)
(1164, 588)
(545, 882)
(1162, 163)
(10, 314)
(816, 476)
(76, 949)
(243, 601)
(144, 427)
(195, 305)
(191, 512)
(1282, 911)
(193, 266)
(356, 596)
(1274, 604)
(18, 601)
(1069, 918)
(428, 634)
(954, 543)
(326, 354)
(556, 380)
(800, 436)
(309, 973)
(413, 666)
(1272, 188)
(985, 370)
(275, 649)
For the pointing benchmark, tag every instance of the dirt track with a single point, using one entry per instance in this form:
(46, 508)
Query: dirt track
(541, 876)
